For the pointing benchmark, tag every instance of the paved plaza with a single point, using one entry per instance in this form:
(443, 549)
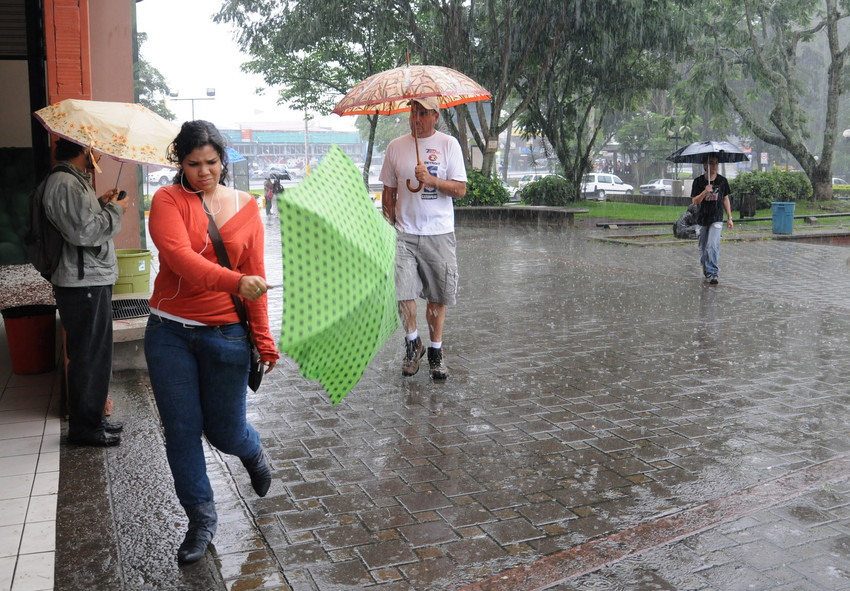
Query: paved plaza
(610, 422)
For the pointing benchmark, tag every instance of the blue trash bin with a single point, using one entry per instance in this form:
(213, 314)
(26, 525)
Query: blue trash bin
(783, 217)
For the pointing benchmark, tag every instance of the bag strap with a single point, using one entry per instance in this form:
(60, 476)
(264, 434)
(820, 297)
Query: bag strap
(224, 261)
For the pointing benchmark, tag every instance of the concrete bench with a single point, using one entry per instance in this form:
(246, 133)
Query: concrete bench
(550, 217)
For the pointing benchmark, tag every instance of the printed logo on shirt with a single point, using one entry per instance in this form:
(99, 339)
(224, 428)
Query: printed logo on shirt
(432, 155)
(430, 191)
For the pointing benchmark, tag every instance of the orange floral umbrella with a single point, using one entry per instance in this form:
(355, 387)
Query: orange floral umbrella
(125, 131)
(390, 92)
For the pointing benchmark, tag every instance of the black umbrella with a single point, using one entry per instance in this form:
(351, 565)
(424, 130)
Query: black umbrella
(698, 152)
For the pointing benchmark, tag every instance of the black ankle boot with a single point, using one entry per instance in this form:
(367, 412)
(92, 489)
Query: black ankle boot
(203, 523)
(260, 472)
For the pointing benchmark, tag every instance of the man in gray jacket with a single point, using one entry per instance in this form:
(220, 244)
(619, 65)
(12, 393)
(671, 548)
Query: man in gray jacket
(82, 286)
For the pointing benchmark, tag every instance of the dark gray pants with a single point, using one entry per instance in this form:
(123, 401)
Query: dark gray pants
(86, 314)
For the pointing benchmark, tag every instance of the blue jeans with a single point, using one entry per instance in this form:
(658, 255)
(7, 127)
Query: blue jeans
(199, 377)
(709, 248)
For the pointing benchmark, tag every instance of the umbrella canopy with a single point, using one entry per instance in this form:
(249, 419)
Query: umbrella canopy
(233, 155)
(125, 131)
(339, 304)
(697, 153)
(390, 92)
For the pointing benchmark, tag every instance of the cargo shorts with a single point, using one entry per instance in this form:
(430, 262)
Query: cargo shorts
(426, 267)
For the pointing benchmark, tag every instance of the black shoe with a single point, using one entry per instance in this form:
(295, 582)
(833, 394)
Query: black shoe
(103, 440)
(260, 472)
(713, 280)
(113, 427)
(413, 351)
(435, 362)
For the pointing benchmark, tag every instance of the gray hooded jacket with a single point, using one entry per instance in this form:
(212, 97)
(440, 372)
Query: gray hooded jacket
(72, 205)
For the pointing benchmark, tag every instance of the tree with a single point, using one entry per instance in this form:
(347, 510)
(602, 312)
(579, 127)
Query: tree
(753, 56)
(495, 42)
(150, 85)
(316, 51)
(616, 52)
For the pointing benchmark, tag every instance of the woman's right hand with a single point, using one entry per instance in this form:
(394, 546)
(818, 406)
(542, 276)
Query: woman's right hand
(252, 287)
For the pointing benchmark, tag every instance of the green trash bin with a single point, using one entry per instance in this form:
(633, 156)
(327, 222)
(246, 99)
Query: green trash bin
(783, 217)
(134, 271)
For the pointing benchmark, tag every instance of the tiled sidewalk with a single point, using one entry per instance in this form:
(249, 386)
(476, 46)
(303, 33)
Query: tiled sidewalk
(29, 476)
(609, 422)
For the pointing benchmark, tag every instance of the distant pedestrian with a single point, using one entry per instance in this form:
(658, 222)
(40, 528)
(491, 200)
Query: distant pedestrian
(268, 195)
(711, 192)
(426, 259)
(197, 350)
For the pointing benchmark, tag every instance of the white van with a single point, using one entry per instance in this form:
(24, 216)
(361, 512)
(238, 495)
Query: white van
(598, 184)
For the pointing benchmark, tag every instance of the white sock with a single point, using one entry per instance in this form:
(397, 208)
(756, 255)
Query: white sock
(413, 336)
(437, 345)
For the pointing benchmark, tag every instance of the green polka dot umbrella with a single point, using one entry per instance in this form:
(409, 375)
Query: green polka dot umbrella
(339, 303)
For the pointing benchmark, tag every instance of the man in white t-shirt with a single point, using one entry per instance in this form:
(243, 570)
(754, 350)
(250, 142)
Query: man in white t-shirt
(417, 200)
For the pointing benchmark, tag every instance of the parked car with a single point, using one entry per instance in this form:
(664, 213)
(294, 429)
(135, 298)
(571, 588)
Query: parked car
(600, 184)
(838, 181)
(523, 181)
(657, 187)
(161, 177)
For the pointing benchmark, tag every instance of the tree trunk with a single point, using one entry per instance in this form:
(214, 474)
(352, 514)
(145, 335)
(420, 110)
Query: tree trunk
(487, 163)
(506, 157)
(367, 163)
(821, 184)
(464, 143)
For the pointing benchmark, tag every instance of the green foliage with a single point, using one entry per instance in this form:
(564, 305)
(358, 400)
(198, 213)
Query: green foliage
(780, 66)
(387, 130)
(551, 190)
(771, 186)
(483, 190)
(603, 74)
(150, 85)
(841, 191)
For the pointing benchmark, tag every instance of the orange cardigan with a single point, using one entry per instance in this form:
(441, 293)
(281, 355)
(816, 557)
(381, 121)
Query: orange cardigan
(191, 283)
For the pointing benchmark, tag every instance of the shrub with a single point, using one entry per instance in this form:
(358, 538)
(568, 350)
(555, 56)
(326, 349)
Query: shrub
(841, 191)
(772, 186)
(483, 190)
(552, 190)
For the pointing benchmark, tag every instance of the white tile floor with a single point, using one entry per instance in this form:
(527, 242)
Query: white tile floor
(29, 475)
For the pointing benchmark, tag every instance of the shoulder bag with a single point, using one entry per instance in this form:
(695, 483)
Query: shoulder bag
(255, 375)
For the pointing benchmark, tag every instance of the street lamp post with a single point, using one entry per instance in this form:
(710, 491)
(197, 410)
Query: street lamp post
(210, 97)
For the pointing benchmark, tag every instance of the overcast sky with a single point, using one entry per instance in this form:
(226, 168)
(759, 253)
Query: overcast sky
(194, 54)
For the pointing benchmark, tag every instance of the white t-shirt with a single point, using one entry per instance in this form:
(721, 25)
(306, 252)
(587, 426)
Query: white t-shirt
(428, 212)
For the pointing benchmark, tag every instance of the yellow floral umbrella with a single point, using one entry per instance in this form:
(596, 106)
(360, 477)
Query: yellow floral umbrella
(127, 132)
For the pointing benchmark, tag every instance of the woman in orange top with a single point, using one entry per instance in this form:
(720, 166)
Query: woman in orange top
(197, 351)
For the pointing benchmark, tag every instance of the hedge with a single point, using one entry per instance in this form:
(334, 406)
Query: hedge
(552, 190)
(483, 190)
(771, 186)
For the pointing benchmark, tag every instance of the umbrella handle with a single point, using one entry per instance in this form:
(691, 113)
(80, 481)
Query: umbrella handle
(418, 162)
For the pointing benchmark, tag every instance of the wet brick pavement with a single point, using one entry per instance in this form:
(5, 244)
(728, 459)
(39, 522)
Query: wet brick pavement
(609, 423)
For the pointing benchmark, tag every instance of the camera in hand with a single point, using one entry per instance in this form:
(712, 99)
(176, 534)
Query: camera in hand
(121, 195)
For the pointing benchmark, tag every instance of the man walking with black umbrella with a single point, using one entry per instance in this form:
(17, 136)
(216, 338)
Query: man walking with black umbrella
(710, 192)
